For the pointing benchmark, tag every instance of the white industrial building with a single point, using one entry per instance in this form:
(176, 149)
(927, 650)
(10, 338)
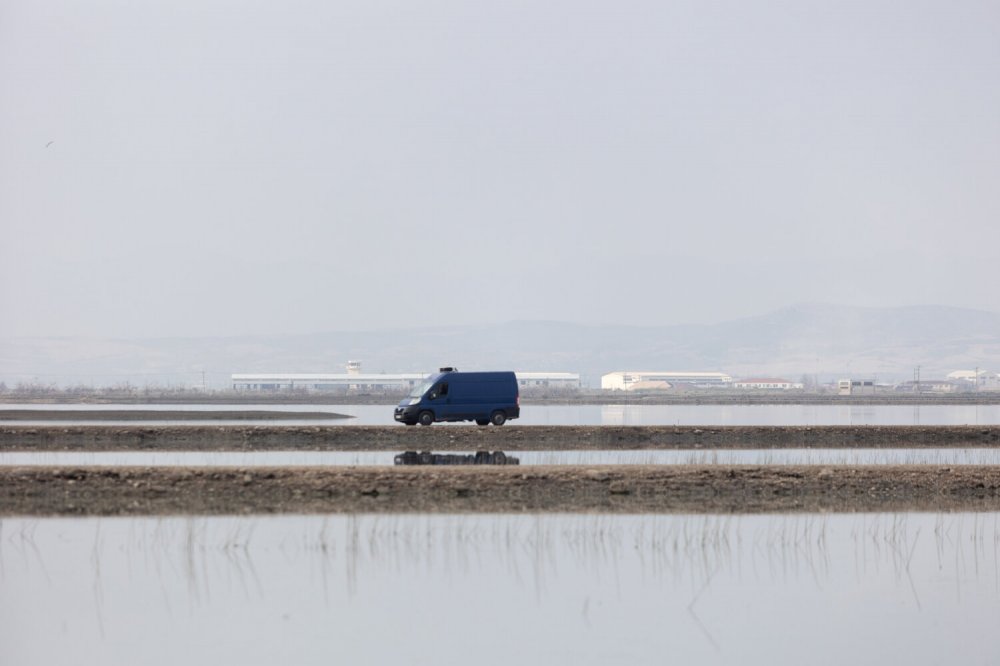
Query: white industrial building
(325, 382)
(355, 380)
(766, 384)
(856, 386)
(557, 380)
(980, 379)
(636, 380)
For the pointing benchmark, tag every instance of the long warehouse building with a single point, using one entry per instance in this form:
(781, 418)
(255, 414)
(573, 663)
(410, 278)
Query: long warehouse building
(639, 380)
(379, 381)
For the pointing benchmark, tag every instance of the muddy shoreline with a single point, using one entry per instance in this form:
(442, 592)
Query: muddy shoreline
(107, 491)
(145, 491)
(472, 438)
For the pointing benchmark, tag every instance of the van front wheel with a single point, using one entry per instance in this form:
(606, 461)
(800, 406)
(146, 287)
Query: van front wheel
(498, 418)
(425, 418)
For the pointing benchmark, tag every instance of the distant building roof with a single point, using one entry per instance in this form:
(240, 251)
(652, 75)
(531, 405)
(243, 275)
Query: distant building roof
(651, 386)
(968, 375)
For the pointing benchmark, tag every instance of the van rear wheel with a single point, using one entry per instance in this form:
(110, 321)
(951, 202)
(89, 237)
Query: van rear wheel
(498, 418)
(425, 418)
(482, 422)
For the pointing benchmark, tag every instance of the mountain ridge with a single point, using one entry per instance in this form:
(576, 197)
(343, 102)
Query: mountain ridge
(808, 339)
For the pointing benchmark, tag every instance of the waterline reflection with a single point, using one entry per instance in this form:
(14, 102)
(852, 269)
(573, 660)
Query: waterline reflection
(942, 456)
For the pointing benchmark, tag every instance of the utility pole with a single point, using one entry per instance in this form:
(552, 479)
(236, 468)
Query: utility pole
(916, 374)
(202, 381)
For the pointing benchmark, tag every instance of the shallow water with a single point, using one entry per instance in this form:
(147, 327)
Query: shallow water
(964, 456)
(590, 415)
(501, 589)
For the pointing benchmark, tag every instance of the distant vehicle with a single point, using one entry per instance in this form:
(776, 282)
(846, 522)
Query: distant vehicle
(449, 395)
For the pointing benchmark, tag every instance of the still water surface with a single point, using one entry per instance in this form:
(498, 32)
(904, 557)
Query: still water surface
(502, 589)
(589, 415)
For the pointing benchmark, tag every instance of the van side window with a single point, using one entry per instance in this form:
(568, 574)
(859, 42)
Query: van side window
(438, 391)
(444, 389)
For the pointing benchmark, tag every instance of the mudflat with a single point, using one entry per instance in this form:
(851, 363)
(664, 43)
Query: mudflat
(471, 438)
(120, 490)
(108, 491)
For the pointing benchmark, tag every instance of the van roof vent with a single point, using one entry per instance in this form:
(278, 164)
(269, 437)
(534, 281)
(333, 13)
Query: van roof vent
(446, 370)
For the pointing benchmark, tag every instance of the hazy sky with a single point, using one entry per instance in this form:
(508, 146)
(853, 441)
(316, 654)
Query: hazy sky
(174, 167)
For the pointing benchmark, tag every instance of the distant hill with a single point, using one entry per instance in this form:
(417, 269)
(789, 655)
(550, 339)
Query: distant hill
(812, 339)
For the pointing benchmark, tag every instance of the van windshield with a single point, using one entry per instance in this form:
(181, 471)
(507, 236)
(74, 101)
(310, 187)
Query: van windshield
(420, 389)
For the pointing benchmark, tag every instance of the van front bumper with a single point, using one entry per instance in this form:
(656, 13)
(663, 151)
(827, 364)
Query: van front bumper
(404, 414)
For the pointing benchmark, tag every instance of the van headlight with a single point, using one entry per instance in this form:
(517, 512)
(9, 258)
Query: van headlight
(414, 401)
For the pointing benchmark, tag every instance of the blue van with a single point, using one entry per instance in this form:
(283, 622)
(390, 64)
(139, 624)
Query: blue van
(449, 395)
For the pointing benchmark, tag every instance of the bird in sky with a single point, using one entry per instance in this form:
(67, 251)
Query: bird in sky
(49, 144)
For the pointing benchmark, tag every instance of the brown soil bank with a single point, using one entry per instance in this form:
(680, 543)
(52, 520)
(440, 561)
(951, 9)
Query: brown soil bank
(106, 491)
(471, 438)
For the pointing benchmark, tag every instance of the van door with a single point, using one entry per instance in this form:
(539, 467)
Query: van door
(440, 400)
